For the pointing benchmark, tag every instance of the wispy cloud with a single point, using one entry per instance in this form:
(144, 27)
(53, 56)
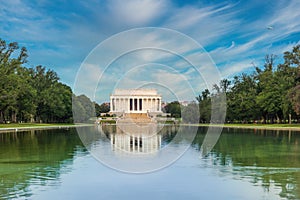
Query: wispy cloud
(61, 36)
(136, 12)
(207, 24)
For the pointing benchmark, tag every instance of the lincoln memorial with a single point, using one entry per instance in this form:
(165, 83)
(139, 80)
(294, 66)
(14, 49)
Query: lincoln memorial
(135, 101)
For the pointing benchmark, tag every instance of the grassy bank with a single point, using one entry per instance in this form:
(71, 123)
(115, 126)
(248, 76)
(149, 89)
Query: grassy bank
(259, 126)
(36, 126)
(20, 125)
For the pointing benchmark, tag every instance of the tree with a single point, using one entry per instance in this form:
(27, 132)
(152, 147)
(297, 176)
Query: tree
(190, 113)
(25, 100)
(103, 108)
(49, 95)
(60, 106)
(285, 77)
(11, 81)
(269, 97)
(224, 85)
(83, 108)
(241, 99)
(294, 95)
(293, 59)
(174, 108)
(204, 102)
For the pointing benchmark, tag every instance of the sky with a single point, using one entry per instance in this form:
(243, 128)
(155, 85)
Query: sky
(76, 38)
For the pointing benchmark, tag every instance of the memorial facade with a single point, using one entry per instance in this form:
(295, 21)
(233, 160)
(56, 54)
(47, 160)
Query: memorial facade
(135, 101)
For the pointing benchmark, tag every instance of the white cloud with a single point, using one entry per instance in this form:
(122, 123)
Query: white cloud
(65, 37)
(87, 80)
(206, 24)
(235, 68)
(136, 12)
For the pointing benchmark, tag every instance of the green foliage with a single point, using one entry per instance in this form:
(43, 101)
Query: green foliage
(12, 79)
(190, 113)
(268, 95)
(33, 94)
(83, 108)
(204, 102)
(36, 95)
(174, 108)
(103, 108)
(294, 95)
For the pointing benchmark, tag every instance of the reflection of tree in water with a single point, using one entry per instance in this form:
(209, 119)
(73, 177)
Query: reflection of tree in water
(268, 158)
(35, 157)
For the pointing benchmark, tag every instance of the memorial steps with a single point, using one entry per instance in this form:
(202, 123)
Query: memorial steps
(135, 118)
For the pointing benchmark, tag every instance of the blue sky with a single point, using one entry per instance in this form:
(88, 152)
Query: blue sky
(236, 34)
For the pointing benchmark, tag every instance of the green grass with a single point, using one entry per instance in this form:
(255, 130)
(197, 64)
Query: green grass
(109, 121)
(285, 126)
(20, 125)
(264, 125)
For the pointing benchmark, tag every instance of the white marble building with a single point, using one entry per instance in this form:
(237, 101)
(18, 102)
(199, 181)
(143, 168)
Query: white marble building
(135, 101)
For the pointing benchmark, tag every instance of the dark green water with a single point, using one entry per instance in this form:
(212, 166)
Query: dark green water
(244, 164)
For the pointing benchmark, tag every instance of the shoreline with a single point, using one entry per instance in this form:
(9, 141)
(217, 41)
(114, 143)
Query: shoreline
(250, 126)
(26, 127)
(41, 127)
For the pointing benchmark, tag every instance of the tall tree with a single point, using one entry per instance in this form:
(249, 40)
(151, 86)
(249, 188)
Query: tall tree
(293, 59)
(174, 108)
(11, 81)
(269, 98)
(83, 108)
(241, 99)
(204, 101)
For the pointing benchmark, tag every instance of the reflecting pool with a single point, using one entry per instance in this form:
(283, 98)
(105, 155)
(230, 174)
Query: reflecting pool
(244, 164)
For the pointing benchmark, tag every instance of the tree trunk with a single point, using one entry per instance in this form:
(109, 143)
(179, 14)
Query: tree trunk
(278, 119)
(263, 120)
(1, 117)
(32, 119)
(13, 117)
(290, 118)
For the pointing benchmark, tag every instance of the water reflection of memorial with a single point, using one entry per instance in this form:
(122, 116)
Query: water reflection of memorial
(136, 138)
(132, 138)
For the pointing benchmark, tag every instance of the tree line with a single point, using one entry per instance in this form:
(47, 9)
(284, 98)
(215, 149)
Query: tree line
(35, 94)
(267, 95)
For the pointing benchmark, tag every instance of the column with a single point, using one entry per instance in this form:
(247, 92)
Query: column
(128, 105)
(138, 104)
(158, 104)
(111, 108)
(153, 105)
(147, 100)
(117, 104)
